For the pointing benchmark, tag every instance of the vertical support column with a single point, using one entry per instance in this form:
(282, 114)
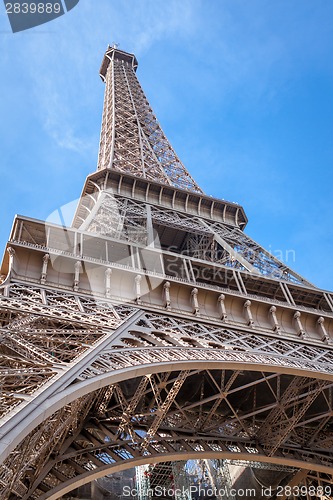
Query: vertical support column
(223, 311)
(194, 300)
(276, 326)
(137, 280)
(150, 229)
(77, 269)
(324, 335)
(299, 327)
(248, 313)
(11, 252)
(46, 259)
(76, 248)
(166, 293)
(108, 274)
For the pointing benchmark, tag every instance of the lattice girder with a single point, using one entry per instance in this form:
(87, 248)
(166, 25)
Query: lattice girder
(232, 408)
(91, 447)
(131, 138)
(125, 219)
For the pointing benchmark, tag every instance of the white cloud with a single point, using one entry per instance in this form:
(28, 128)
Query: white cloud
(71, 45)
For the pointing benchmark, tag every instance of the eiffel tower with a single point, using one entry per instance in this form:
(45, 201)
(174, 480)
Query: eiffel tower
(154, 330)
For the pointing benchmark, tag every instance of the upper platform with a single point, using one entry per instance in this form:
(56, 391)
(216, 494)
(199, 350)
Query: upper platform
(155, 193)
(113, 53)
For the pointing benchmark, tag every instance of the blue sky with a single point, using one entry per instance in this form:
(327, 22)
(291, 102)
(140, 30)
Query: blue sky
(243, 90)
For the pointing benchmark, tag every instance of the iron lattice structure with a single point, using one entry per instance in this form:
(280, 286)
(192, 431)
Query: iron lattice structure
(132, 140)
(154, 330)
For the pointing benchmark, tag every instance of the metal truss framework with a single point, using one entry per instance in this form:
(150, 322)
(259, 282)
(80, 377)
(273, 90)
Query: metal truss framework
(132, 140)
(157, 331)
(126, 219)
(169, 477)
(185, 389)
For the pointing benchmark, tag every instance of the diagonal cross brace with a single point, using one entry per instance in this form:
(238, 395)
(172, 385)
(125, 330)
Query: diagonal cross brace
(163, 409)
(278, 425)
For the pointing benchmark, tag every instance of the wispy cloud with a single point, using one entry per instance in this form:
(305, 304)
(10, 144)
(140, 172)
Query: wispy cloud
(54, 112)
(158, 20)
(52, 57)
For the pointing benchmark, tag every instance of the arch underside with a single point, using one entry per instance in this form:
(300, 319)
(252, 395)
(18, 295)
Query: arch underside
(259, 417)
(154, 388)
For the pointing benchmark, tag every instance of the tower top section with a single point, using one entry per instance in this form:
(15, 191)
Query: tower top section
(113, 53)
(132, 140)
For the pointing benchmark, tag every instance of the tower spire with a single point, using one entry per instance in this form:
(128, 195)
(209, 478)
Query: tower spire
(132, 140)
(155, 329)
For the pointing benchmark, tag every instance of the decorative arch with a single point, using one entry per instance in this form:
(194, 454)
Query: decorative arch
(177, 411)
